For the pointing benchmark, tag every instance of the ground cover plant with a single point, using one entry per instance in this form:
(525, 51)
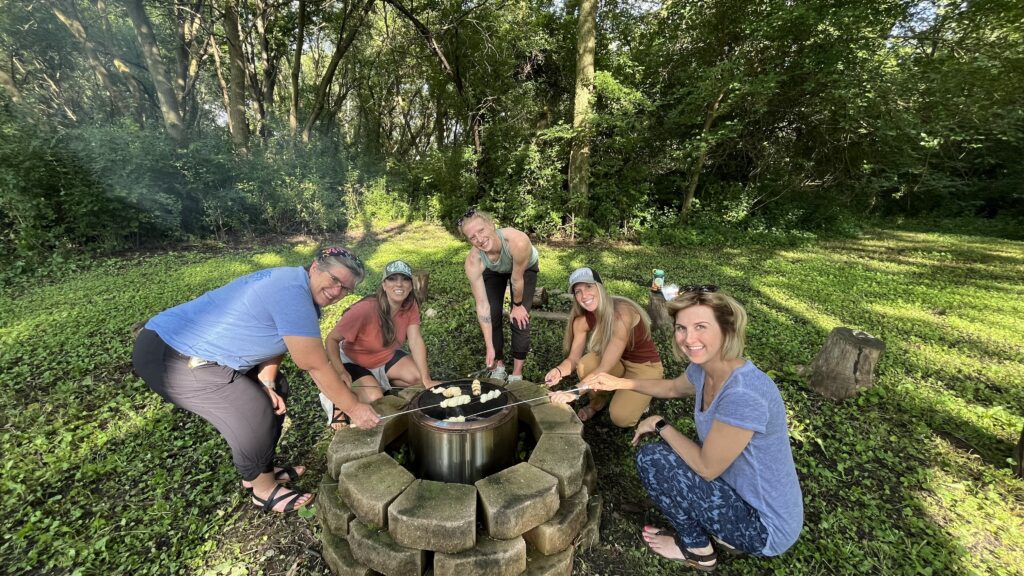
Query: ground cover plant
(911, 477)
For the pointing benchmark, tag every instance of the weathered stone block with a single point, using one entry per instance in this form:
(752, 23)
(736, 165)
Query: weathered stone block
(369, 485)
(334, 515)
(351, 444)
(338, 556)
(377, 550)
(407, 394)
(437, 516)
(551, 419)
(517, 499)
(564, 457)
(590, 535)
(558, 533)
(389, 404)
(525, 390)
(489, 557)
(559, 564)
(590, 472)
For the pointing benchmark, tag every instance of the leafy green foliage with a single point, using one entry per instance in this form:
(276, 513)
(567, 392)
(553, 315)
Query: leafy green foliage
(910, 477)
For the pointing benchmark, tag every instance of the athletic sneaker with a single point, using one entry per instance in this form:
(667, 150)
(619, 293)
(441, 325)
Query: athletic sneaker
(498, 373)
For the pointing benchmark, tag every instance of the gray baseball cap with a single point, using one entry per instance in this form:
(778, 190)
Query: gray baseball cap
(588, 275)
(397, 267)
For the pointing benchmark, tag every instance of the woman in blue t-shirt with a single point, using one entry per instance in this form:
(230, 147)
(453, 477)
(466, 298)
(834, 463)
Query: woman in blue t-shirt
(737, 484)
(217, 356)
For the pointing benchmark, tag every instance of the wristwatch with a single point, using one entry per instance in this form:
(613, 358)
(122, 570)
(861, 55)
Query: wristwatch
(659, 425)
(514, 304)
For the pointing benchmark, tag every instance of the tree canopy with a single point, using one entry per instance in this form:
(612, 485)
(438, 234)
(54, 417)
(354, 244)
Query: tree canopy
(130, 122)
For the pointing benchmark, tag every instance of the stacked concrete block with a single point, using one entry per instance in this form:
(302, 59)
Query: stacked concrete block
(529, 519)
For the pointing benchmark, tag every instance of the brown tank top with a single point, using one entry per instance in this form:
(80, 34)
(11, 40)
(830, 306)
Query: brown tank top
(643, 348)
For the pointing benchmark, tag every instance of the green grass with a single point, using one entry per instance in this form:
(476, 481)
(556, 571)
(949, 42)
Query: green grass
(911, 477)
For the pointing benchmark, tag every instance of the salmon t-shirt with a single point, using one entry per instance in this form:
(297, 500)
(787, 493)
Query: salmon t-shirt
(359, 329)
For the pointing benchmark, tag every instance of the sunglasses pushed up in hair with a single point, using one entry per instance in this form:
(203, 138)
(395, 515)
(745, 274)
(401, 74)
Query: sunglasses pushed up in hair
(699, 288)
(340, 253)
(469, 214)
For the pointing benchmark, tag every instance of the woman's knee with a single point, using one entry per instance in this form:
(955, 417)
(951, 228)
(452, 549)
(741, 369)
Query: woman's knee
(624, 418)
(587, 364)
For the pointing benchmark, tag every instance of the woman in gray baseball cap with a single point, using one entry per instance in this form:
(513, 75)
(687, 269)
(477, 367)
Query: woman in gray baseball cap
(365, 347)
(607, 334)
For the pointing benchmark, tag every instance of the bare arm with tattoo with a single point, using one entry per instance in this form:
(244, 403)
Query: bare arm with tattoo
(475, 274)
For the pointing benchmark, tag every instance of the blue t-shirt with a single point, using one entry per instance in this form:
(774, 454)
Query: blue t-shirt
(764, 474)
(243, 322)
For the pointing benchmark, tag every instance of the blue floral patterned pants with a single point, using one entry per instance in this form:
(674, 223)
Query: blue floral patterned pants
(698, 508)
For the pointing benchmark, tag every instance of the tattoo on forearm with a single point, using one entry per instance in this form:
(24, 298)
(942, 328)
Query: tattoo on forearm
(484, 319)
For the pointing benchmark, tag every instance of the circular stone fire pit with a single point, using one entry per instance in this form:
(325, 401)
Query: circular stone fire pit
(418, 494)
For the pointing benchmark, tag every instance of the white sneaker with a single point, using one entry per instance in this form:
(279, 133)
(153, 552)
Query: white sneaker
(498, 373)
(514, 378)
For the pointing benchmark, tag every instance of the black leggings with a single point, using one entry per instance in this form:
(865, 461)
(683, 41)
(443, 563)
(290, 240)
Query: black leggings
(235, 403)
(494, 285)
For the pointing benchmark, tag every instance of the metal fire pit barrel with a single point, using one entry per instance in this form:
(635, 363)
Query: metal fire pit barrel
(462, 452)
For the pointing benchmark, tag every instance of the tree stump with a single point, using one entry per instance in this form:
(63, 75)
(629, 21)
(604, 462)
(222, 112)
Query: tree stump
(846, 363)
(656, 310)
(1019, 468)
(420, 285)
(540, 296)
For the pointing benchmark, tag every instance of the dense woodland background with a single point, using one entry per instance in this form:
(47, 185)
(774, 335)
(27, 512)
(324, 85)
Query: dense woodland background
(126, 123)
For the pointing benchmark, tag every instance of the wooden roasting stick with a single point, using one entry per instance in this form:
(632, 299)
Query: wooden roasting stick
(545, 398)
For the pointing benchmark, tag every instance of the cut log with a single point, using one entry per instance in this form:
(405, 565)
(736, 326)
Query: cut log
(656, 310)
(420, 285)
(545, 315)
(846, 363)
(1019, 468)
(540, 296)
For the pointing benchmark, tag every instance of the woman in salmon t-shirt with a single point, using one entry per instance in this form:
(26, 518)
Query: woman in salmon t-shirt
(365, 347)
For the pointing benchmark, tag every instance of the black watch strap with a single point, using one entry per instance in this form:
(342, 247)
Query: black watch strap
(659, 425)
(520, 303)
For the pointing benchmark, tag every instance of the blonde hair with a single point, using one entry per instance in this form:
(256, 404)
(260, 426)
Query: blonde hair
(730, 315)
(604, 326)
(485, 216)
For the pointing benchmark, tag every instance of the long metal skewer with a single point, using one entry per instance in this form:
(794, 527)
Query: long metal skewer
(581, 388)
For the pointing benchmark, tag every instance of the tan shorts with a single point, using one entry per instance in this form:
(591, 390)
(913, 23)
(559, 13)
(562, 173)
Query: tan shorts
(626, 406)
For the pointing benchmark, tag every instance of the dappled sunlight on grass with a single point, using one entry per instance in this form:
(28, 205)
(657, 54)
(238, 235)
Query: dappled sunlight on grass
(911, 474)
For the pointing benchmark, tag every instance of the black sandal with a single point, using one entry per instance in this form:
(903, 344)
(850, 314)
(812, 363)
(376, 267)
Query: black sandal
(694, 560)
(726, 547)
(691, 559)
(292, 496)
(287, 474)
(338, 417)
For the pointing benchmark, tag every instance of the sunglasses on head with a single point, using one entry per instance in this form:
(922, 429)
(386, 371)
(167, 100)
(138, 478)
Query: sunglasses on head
(699, 288)
(469, 214)
(341, 252)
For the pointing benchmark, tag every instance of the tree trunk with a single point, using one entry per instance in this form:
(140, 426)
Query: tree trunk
(300, 35)
(579, 157)
(161, 82)
(238, 125)
(69, 18)
(225, 98)
(421, 285)
(1019, 468)
(346, 35)
(7, 82)
(846, 363)
(657, 311)
(691, 189)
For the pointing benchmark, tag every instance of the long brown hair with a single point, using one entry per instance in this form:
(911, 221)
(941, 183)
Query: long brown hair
(601, 335)
(387, 323)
